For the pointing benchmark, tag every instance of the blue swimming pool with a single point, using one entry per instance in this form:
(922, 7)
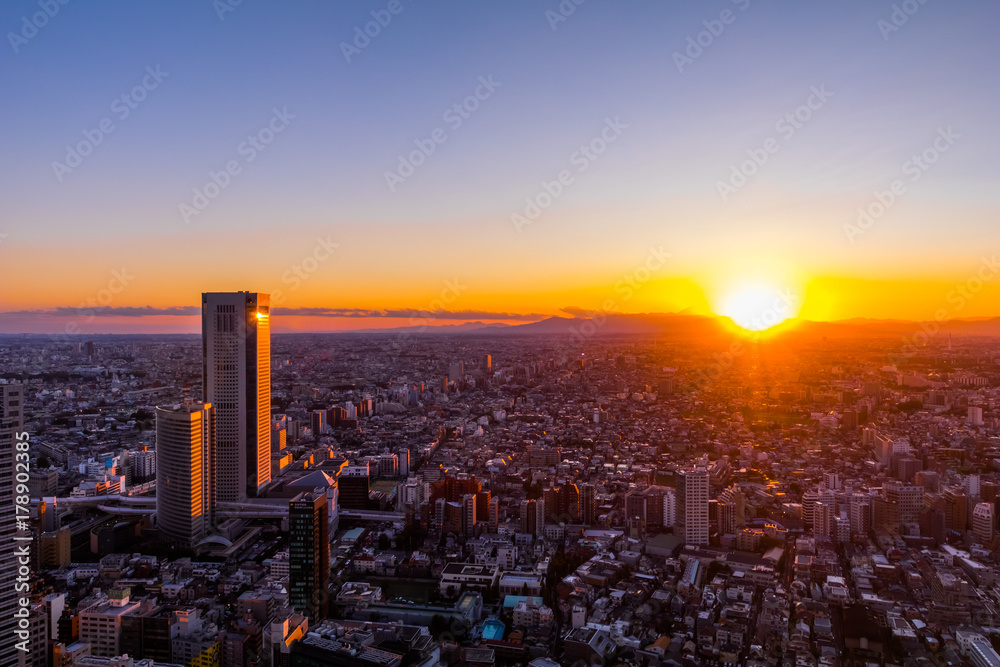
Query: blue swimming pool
(493, 629)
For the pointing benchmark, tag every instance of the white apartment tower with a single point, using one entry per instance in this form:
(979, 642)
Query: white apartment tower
(692, 505)
(236, 345)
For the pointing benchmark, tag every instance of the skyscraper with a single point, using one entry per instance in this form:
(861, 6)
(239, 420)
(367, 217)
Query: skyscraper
(309, 555)
(11, 424)
(185, 440)
(236, 346)
(692, 505)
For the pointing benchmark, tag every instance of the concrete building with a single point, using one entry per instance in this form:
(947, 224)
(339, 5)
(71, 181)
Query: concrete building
(185, 439)
(692, 505)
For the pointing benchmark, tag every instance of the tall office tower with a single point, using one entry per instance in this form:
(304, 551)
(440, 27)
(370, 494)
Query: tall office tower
(487, 363)
(456, 372)
(236, 347)
(185, 440)
(309, 555)
(982, 523)
(11, 425)
(692, 505)
(588, 504)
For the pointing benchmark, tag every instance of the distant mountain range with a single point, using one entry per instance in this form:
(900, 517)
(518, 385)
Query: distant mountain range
(682, 326)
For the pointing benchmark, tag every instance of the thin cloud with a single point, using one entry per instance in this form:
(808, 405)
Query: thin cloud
(107, 311)
(189, 311)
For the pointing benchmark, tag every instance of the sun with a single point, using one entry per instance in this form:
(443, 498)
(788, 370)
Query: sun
(758, 306)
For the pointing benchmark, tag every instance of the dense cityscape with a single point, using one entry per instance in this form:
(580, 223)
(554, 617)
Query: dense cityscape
(241, 498)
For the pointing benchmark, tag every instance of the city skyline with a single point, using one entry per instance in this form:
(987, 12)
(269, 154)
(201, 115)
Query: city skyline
(834, 176)
(536, 332)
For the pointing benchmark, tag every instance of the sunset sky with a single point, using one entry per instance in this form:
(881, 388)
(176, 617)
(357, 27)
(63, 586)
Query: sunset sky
(313, 215)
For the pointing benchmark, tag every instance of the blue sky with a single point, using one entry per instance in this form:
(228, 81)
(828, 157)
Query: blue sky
(325, 172)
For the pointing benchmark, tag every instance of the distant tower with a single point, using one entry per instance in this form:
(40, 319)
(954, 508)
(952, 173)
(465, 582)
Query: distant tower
(487, 363)
(236, 345)
(185, 439)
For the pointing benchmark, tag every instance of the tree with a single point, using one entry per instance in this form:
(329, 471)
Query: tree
(438, 625)
(42, 462)
(383, 542)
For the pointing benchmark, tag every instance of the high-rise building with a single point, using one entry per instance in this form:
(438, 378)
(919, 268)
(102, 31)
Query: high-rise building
(669, 507)
(236, 346)
(354, 487)
(732, 510)
(309, 555)
(469, 513)
(909, 497)
(185, 439)
(533, 517)
(832, 481)
(404, 462)
(860, 513)
(11, 426)
(982, 523)
(317, 422)
(588, 504)
(493, 513)
(487, 363)
(692, 505)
